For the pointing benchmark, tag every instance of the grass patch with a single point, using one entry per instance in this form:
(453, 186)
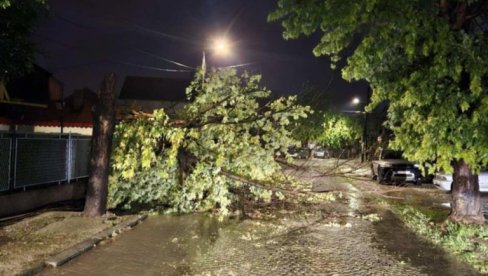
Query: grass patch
(470, 242)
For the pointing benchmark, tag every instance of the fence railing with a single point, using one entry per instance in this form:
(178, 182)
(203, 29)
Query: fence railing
(36, 159)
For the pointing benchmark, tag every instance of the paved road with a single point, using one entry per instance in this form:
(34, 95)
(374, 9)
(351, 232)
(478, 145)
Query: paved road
(343, 240)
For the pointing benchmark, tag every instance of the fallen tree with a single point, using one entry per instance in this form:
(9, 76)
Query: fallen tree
(225, 138)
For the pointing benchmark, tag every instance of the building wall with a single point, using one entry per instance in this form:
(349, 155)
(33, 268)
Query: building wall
(22, 202)
(55, 88)
(53, 130)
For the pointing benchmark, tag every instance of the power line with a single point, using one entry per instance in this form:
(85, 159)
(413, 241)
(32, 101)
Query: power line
(238, 65)
(153, 68)
(167, 60)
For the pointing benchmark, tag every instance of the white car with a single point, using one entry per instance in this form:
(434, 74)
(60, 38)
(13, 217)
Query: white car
(443, 181)
(320, 153)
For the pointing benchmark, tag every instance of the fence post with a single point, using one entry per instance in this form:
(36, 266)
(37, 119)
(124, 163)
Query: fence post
(13, 160)
(68, 162)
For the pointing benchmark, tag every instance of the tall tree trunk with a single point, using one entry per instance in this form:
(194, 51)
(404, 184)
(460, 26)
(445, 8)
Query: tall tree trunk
(466, 204)
(103, 129)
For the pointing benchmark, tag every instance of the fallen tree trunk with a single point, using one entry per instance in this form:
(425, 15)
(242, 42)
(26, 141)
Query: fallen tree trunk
(263, 185)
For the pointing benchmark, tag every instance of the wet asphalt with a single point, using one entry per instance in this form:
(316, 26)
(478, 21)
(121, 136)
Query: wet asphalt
(342, 240)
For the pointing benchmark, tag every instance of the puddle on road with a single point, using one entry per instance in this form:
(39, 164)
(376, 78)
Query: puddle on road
(181, 245)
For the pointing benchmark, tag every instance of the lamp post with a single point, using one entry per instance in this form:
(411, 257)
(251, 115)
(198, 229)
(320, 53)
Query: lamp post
(220, 47)
(356, 101)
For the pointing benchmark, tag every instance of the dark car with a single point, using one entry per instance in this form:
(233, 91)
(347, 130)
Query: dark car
(299, 153)
(390, 167)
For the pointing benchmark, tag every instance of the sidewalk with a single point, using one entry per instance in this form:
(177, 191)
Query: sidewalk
(25, 244)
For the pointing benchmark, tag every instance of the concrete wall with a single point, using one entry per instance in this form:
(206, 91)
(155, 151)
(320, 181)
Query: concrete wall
(22, 202)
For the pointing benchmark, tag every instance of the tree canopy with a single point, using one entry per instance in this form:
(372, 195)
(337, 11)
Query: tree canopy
(226, 137)
(339, 131)
(17, 52)
(310, 128)
(427, 58)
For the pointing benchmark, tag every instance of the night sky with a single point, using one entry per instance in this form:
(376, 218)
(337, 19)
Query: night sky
(82, 40)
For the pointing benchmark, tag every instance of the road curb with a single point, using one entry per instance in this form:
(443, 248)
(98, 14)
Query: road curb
(84, 246)
(33, 270)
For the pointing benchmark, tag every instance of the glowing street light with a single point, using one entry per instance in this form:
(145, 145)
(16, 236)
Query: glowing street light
(356, 101)
(221, 46)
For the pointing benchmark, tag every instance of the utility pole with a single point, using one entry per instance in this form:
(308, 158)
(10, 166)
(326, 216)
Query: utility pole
(364, 142)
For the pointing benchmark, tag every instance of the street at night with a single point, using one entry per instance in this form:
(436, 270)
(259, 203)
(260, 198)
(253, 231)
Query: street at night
(243, 137)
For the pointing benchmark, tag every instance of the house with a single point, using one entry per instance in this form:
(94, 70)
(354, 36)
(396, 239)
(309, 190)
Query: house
(40, 169)
(148, 93)
(37, 88)
(35, 104)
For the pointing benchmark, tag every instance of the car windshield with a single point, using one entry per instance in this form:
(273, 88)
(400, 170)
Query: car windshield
(391, 154)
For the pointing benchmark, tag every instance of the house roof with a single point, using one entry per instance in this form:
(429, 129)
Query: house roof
(79, 106)
(77, 111)
(154, 89)
(33, 87)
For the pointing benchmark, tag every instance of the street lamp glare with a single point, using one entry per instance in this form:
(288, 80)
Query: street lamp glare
(356, 100)
(221, 47)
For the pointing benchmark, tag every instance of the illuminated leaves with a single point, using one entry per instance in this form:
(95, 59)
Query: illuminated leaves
(229, 124)
(434, 78)
(339, 131)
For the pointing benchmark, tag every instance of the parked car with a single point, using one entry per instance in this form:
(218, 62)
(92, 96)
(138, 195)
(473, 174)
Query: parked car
(299, 153)
(390, 167)
(444, 181)
(320, 152)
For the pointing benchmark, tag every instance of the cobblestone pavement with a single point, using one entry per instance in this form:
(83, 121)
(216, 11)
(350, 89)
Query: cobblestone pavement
(345, 242)
(322, 249)
(344, 238)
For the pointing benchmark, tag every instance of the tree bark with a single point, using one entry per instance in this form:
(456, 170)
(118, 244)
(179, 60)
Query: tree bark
(103, 129)
(466, 204)
(183, 166)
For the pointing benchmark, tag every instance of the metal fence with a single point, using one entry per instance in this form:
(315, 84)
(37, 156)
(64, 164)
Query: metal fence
(5, 152)
(33, 160)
